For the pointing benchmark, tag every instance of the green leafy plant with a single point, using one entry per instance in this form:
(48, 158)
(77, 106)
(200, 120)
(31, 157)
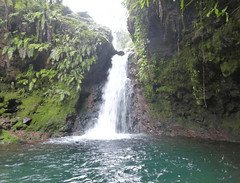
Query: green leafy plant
(65, 43)
(215, 10)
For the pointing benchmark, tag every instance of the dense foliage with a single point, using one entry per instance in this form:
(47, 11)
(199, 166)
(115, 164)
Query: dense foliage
(198, 80)
(45, 53)
(48, 43)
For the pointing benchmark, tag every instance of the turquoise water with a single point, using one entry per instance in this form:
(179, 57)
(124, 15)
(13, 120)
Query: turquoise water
(139, 159)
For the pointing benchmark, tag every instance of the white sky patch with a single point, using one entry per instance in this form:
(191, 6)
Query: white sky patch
(110, 13)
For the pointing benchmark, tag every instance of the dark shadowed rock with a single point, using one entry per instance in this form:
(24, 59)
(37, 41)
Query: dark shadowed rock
(98, 71)
(160, 32)
(91, 93)
(27, 120)
(1, 99)
(12, 105)
(120, 53)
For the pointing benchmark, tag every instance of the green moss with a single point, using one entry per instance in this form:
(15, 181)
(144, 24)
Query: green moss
(46, 87)
(29, 105)
(19, 126)
(8, 95)
(51, 116)
(47, 114)
(8, 137)
(2, 111)
(229, 67)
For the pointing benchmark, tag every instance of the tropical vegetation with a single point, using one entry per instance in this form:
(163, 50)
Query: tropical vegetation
(45, 52)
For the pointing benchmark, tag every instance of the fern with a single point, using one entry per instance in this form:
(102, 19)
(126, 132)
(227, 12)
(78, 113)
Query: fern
(66, 43)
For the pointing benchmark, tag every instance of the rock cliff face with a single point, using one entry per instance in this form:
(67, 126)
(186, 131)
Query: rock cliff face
(91, 94)
(139, 118)
(187, 67)
(161, 24)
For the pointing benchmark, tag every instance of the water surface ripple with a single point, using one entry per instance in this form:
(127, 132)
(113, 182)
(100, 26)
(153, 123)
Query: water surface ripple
(139, 159)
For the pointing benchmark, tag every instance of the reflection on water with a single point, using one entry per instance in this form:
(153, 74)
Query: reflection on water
(138, 159)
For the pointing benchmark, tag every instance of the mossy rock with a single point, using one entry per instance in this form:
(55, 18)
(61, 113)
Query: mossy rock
(8, 138)
(47, 114)
(29, 105)
(8, 95)
(7, 115)
(19, 126)
(51, 116)
(2, 111)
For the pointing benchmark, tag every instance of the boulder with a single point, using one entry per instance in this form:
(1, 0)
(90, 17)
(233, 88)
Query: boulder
(27, 120)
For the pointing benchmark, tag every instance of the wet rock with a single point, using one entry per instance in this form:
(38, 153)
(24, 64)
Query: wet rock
(91, 94)
(120, 53)
(139, 118)
(27, 120)
(89, 106)
(98, 71)
(85, 15)
(160, 27)
(67, 129)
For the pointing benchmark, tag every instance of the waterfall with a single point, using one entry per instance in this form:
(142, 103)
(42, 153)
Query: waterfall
(113, 115)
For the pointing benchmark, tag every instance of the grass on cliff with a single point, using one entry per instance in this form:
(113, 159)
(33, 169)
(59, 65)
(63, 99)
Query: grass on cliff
(8, 137)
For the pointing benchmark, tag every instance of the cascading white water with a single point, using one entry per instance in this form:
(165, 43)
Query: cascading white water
(112, 122)
(112, 119)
